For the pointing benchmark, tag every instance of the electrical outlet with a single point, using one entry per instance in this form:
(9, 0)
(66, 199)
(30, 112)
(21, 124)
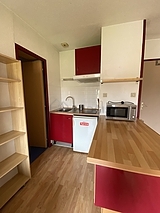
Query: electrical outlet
(104, 94)
(133, 94)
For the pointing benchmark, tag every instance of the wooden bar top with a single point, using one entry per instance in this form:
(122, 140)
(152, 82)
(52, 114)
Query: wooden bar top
(124, 145)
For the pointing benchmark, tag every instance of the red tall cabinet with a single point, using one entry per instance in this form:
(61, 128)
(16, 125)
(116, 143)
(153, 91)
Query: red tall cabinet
(87, 60)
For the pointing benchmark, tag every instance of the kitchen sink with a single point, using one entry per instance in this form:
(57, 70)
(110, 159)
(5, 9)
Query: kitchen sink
(77, 111)
(64, 109)
(84, 111)
(73, 110)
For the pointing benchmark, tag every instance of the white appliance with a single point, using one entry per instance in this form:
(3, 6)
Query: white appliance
(88, 78)
(83, 132)
(121, 110)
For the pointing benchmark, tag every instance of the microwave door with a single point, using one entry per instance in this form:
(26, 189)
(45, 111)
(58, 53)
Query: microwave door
(117, 112)
(121, 112)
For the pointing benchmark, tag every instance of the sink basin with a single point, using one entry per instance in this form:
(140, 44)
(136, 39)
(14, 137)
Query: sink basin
(74, 110)
(64, 109)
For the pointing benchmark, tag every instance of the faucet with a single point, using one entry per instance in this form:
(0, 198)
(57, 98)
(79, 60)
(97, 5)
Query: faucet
(73, 106)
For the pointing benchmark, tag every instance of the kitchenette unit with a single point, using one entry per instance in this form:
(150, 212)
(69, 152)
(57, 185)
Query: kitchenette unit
(73, 126)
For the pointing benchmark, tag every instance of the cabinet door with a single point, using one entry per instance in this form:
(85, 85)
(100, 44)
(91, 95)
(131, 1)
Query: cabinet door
(87, 60)
(126, 191)
(61, 128)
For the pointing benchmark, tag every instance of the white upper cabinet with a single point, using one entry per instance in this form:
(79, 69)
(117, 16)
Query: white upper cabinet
(67, 64)
(121, 50)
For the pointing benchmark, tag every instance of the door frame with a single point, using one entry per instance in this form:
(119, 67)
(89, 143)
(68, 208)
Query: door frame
(141, 69)
(31, 57)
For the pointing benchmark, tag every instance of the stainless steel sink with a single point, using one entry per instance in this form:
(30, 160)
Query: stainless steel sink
(64, 109)
(73, 110)
(84, 111)
(77, 111)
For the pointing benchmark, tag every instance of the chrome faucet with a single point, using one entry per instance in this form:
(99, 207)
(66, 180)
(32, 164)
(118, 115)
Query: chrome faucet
(73, 106)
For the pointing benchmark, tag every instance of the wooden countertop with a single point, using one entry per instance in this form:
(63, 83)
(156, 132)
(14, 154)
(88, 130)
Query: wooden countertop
(129, 146)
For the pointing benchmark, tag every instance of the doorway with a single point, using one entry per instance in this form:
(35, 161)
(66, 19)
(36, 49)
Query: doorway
(34, 75)
(150, 100)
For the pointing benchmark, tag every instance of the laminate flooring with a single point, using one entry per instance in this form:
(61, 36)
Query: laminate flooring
(62, 182)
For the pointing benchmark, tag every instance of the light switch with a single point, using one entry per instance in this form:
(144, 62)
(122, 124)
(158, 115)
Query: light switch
(133, 94)
(104, 94)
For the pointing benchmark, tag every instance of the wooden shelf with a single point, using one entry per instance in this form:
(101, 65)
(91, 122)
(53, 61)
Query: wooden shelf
(121, 80)
(7, 109)
(7, 137)
(10, 163)
(67, 79)
(12, 85)
(6, 59)
(9, 80)
(11, 187)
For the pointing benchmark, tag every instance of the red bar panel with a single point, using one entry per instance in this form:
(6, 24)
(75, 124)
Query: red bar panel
(126, 192)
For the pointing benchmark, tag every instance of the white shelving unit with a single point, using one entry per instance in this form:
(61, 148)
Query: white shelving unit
(14, 155)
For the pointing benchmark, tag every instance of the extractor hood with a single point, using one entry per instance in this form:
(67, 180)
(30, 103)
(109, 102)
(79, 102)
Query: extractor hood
(90, 78)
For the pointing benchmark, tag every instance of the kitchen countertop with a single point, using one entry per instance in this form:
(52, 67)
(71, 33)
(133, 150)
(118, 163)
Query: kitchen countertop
(85, 112)
(124, 145)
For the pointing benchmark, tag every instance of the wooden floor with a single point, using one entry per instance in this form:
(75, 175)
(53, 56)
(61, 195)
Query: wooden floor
(62, 182)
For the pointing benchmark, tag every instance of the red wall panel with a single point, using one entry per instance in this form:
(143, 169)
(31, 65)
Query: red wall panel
(126, 192)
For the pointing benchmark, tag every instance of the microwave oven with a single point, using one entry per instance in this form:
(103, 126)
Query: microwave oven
(121, 111)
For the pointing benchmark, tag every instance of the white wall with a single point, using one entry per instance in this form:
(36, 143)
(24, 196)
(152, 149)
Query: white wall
(121, 49)
(6, 32)
(14, 30)
(152, 49)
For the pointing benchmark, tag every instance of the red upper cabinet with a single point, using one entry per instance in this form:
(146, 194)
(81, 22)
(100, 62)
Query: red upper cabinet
(87, 60)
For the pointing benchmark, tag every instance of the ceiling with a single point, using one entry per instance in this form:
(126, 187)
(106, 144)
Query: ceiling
(79, 22)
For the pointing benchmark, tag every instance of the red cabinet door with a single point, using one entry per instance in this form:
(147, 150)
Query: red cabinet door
(124, 191)
(61, 128)
(87, 60)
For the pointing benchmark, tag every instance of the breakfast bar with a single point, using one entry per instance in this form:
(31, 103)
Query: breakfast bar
(126, 156)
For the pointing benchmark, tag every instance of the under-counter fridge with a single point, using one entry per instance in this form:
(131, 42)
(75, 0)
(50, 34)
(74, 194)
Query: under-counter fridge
(83, 131)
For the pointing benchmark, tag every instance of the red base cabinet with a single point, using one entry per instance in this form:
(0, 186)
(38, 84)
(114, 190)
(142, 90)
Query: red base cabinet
(87, 60)
(61, 128)
(126, 192)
